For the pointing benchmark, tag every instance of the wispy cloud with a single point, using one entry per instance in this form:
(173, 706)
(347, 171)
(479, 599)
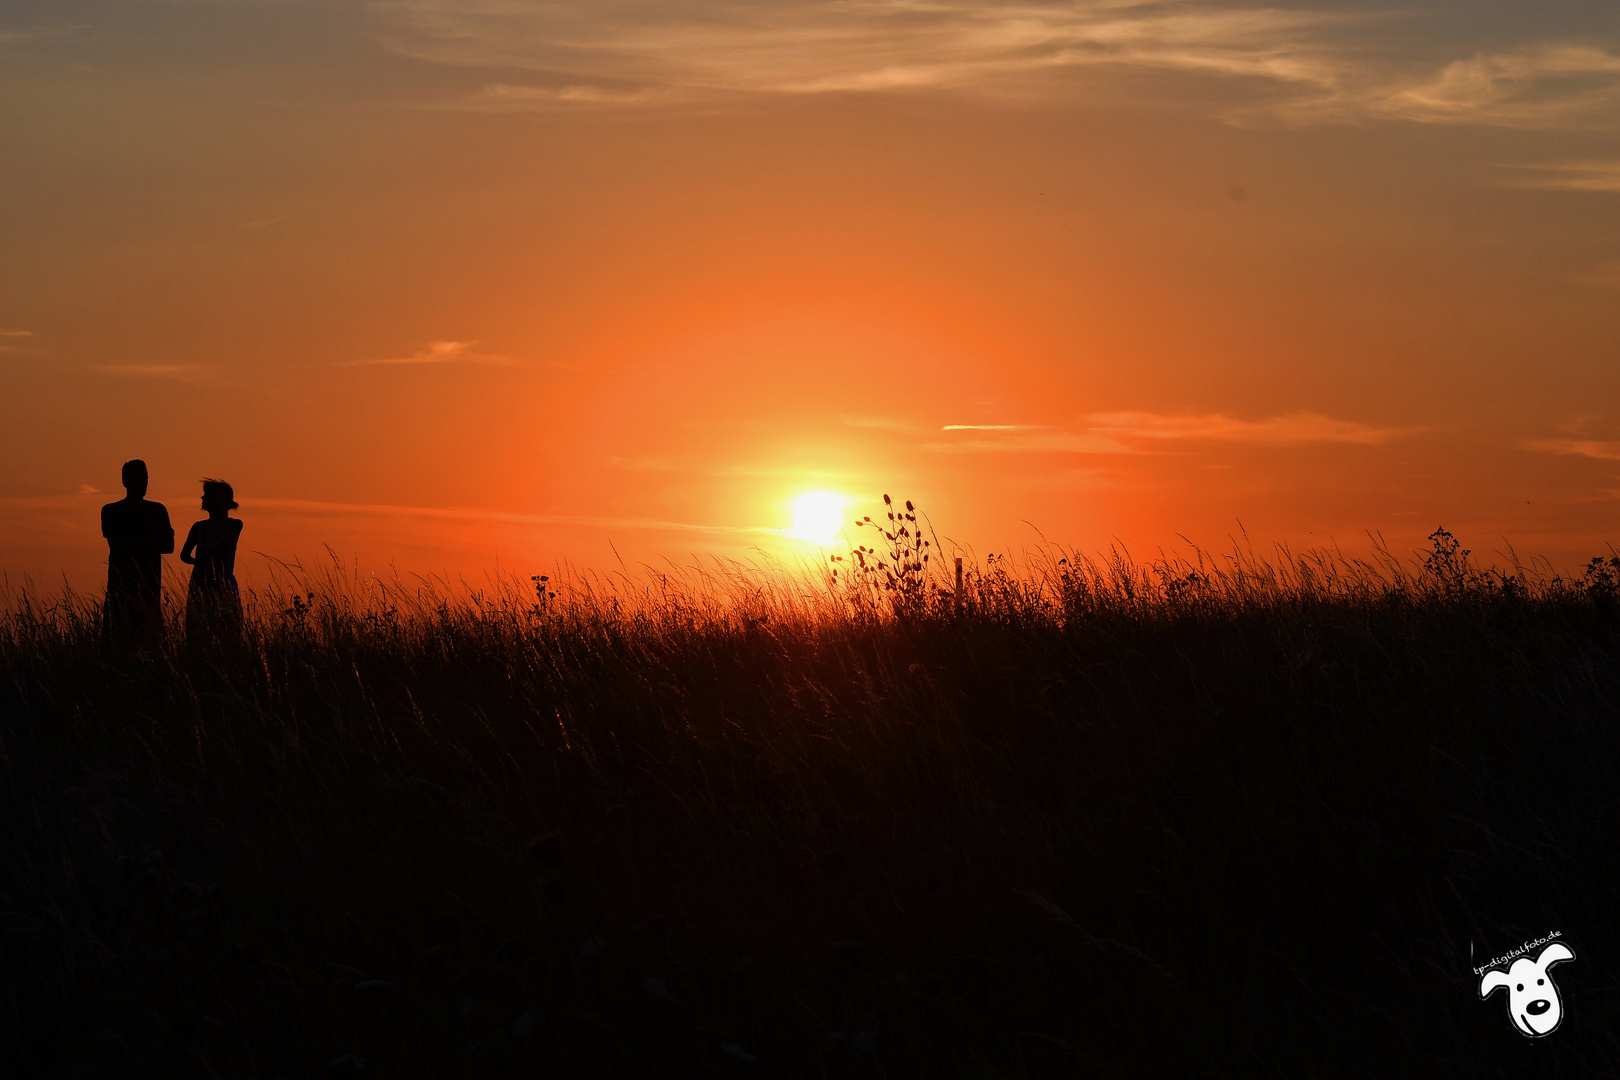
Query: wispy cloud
(182, 372)
(443, 352)
(1307, 66)
(1592, 448)
(650, 464)
(16, 333)
(615, 53)
(1292, 429)
(1133, 432)
(876, 423)
(13, 36)
(1567, 176)
(693, 467)
(1542, 86)
(1027, 441)
(507, 97)
(1602, 276)
(496, 516)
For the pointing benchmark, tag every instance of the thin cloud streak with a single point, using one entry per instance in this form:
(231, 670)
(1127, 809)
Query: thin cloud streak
(1602, 276)
(1127, 432)
(1316, 67)
(695, 468)
(507, 97)
(876, 423)
(442, 352)
(11, 37)
(1603, 176)
(1293, 429)
(51, 502)
(1592, 448)
(1038, 442)
(498, 516)
(181, 372)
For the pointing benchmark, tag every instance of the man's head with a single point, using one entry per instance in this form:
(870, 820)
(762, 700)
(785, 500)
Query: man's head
(135, 478)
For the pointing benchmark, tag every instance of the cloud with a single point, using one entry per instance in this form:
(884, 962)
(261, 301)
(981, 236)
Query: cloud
(1292, 429)
(182, 372)
(1307, 66)
(16, 333)
(443, 352)
(693, 467)
(498, 516)
(1130, 432)
(86, 489)
(1542, 86)
(1592, 448)
(617, 52)
(1568, 176)
(506, 97)
(1603, 276)
(9, 37)
(1033, 441)
(649, 464)
(876, 423)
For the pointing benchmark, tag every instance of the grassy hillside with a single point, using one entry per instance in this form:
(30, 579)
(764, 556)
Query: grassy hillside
(1085, 819)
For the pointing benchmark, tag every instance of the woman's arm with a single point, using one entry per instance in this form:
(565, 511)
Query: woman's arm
(191, 544)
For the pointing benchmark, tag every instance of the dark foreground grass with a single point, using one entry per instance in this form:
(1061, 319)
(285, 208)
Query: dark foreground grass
(1101, 821)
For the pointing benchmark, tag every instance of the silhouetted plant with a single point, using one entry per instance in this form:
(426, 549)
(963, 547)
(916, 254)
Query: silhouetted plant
(899, 566)
(297, 613)
(1447, 568)
(543, 596)
(1602, 579)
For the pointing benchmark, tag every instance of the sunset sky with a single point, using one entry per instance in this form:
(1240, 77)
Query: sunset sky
(442, 283)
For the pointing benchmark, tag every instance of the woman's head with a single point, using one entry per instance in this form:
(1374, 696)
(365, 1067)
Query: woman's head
(218, 493)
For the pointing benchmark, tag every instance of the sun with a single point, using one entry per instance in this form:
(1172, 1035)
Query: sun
(818, 517)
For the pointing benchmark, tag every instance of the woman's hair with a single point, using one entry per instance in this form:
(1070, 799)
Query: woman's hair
(220, 488)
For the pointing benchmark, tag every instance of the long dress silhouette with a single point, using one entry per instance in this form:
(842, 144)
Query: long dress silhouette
(213, 600)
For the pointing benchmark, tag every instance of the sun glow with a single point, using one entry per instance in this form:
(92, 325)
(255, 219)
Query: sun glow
(818, 517)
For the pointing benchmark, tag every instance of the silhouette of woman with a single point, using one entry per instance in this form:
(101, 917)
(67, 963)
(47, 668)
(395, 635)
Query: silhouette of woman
(213, 602)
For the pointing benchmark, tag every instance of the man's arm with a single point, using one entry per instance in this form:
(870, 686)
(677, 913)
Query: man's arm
(164, 537)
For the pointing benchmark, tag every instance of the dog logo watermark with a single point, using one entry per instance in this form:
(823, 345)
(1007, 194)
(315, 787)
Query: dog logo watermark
(1533, 1002)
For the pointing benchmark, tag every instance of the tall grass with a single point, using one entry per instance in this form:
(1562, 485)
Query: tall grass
(1225, 816)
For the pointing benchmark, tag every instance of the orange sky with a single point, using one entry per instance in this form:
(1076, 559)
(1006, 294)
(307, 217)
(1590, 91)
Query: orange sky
(439, 283)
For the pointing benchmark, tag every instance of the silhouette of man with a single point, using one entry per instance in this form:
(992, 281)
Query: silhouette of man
(138, 536)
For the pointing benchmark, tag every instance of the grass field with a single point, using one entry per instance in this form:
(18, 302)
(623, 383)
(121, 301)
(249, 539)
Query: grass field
(1247, 818)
